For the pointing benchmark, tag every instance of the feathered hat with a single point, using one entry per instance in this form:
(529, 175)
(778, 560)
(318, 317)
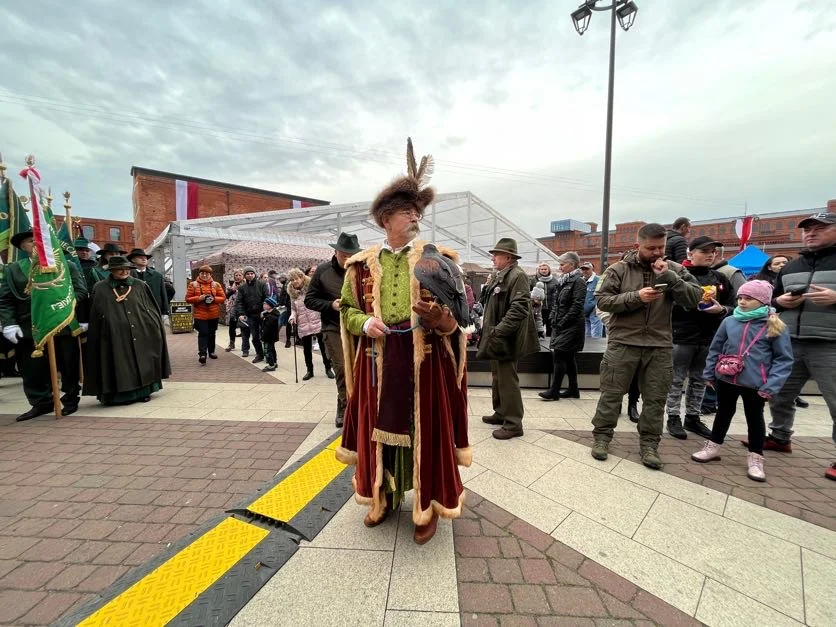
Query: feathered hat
(406, 192)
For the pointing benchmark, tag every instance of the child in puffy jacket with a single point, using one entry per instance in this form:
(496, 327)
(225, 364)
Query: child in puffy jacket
(749, 358)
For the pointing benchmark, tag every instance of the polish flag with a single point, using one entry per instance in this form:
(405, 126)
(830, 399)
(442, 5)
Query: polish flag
(299, 204)
(743, 228)
(186, 207)
(40, 223)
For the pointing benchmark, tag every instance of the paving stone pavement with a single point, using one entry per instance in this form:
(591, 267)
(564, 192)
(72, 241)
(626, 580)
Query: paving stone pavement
(510, 573)
(227, 368)
(85, 500)
(795, 483)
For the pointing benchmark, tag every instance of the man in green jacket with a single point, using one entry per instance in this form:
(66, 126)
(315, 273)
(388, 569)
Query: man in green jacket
(508, 333)
(16, 319)
(152, 278)
(639, 292)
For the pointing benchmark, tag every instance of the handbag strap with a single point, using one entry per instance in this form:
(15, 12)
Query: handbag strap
(741, 352)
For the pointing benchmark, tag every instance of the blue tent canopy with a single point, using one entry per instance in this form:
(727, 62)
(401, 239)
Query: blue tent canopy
(749, 260)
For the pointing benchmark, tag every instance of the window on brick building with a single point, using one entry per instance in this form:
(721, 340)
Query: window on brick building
(89, 232)
(115, 234)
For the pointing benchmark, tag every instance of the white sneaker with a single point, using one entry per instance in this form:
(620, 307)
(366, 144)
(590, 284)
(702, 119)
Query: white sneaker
(710, 451)
(756, 467)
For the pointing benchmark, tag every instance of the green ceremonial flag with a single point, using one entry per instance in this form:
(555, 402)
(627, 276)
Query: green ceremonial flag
(13, 220)
(53, 298)
(65, 239)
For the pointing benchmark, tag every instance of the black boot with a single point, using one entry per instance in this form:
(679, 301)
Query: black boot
(675, 428)
(37, 410)
(570, 393)
(308, 375)
(695, 425)
(800, 402)
(330, 373)
(548, 395)
(340, 417)
(633, 410)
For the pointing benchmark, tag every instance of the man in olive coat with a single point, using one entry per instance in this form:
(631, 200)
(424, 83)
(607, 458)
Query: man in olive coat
(508, 333)
(16, 320)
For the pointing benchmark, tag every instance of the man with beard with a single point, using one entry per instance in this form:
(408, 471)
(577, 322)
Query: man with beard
(16, 320)
(324, 296)
(640, 292)
(152, 278)
(127, 356)
(248, 307)
(544, 275)
(406, 418)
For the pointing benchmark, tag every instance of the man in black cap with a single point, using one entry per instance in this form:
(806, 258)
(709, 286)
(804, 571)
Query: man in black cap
(805, 296)
(693, 330)
(508, 333)
(248, 307)
(16, 320)
(323, 295)
(152, 278)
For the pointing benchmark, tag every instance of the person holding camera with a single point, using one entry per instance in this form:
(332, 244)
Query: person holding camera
(205, 295)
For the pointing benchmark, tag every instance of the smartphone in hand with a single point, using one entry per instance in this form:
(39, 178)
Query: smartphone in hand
(798, 291)
(660, 287)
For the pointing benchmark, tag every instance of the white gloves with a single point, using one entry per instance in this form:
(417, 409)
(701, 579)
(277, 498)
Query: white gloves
(83, 326)
(12, 333)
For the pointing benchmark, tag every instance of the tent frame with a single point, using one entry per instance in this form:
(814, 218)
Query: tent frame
(461, 221)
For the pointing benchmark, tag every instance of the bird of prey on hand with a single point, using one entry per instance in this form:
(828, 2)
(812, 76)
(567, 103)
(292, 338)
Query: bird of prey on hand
(442, 278)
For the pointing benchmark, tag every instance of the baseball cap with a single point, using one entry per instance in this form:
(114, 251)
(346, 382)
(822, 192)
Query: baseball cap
(586, 266)
(570, 257)
(823, 217)
(703, 241)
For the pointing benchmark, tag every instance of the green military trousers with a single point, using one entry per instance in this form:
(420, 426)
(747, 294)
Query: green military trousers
(655, 372)
(506, 395)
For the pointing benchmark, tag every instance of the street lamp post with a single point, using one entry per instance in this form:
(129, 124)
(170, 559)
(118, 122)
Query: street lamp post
(625, 11)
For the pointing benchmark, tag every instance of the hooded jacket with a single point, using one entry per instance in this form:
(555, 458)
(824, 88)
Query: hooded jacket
(636, 323)
(809, 321)
(766, 365)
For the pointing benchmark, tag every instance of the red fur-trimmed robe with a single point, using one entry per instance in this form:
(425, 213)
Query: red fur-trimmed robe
(440, 444)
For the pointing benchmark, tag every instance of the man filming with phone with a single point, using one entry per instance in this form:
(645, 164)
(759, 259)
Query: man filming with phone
(639, 292)
(805, 296)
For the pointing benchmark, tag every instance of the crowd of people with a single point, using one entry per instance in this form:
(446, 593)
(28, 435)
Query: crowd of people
(686, 333)
(687, 330)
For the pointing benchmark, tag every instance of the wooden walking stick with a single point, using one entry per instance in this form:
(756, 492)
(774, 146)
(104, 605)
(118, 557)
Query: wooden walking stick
(53, 375)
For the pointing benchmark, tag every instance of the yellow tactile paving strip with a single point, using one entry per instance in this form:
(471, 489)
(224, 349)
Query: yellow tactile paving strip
(288, 498)
(165, 592)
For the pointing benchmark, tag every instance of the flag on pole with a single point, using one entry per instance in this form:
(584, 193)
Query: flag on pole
(299, 204)
(186, 200)
(65, 233)
(13, 220)
(50, 281)
(743, 228)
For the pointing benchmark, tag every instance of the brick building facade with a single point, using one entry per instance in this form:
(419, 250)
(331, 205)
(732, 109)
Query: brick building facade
(775, 233)
(154, 201)
(102, 230)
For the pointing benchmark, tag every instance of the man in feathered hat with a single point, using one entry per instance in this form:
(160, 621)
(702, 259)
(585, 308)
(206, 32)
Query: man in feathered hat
(405, 429)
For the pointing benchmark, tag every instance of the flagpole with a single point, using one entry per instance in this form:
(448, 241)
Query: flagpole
(69, 221)
(53, 375)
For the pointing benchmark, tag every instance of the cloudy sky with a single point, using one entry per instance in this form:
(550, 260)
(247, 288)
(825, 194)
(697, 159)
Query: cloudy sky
(719, 104)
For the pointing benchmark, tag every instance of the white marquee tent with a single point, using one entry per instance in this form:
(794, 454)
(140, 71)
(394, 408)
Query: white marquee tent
(461, 221)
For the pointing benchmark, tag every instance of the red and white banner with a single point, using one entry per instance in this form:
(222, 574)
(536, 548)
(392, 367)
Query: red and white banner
(186, 205)
(40, 225)
(299, 204)
(743, 228)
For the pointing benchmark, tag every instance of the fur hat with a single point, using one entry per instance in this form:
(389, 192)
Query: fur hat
(759, 290)
(204, 268)
(406, 192)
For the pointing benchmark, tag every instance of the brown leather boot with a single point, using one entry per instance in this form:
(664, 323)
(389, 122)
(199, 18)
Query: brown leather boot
(425, 533)
(369, 522)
